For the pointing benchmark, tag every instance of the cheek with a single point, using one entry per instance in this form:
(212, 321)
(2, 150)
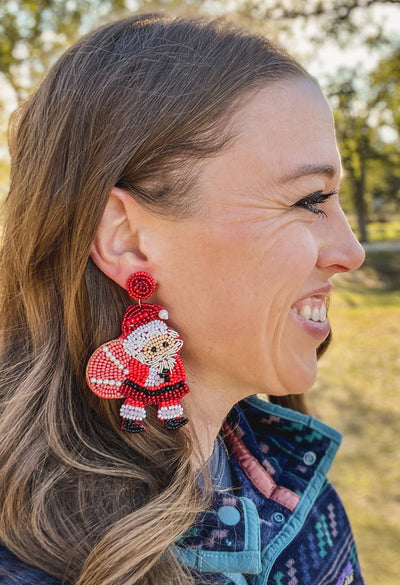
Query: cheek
(275, 272)
(229, 294)
(276, 349)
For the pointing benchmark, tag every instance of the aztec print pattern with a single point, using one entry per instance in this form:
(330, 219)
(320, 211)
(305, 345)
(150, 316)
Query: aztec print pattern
(324, 552)
(321, 551)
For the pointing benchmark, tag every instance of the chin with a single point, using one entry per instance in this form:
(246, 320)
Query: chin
(293, 384)
(302, 378)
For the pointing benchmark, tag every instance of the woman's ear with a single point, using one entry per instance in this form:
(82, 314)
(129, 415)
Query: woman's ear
(116, 248)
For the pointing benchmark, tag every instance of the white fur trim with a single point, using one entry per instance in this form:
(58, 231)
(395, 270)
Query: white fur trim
(132, 412)
(168, 412)
(136, 340)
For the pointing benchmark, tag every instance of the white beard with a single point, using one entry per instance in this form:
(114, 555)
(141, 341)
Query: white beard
(165, 361)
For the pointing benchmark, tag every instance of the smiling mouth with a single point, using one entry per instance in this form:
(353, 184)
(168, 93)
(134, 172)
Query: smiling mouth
(312, 309)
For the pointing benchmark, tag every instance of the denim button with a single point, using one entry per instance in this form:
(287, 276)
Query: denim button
(278, 518)
(229, 515)
(309, 458)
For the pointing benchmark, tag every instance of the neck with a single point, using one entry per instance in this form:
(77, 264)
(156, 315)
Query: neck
(207, 407)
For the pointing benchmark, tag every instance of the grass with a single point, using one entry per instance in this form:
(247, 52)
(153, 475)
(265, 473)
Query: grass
(358, 393)
(383, 231)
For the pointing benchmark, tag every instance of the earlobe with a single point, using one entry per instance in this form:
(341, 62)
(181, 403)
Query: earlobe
(116, 248)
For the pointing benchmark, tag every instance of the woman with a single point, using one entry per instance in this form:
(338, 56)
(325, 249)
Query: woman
(200, 160)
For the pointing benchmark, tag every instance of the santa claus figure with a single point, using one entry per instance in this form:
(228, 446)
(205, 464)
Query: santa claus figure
(144, 367)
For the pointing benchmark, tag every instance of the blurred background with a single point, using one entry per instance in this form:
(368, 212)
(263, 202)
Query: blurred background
(353, 48)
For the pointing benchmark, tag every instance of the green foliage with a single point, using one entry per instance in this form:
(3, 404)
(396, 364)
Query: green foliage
(33, 33)
(356, 145)
(386, 82)
(369, 138)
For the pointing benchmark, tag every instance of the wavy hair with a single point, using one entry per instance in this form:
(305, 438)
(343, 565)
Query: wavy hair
(134, 104)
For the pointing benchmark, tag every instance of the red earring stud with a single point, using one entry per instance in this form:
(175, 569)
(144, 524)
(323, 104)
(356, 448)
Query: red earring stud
(143, 365)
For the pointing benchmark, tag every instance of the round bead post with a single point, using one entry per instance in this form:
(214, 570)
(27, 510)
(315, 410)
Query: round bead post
(140, 286)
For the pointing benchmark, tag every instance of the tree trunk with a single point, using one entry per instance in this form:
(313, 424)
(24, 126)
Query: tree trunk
(360, 204)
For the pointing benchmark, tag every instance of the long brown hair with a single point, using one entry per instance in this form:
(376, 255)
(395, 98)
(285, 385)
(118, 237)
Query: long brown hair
(131, 104)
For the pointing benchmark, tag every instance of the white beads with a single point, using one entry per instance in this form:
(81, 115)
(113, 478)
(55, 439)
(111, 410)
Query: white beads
(163, 314)
(112, 358)
(136, 340)
(107, 382)
(168, 412)
(153, 379)
(132, 412)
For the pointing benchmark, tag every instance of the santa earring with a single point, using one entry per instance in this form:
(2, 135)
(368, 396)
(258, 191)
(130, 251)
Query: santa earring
(143, 365)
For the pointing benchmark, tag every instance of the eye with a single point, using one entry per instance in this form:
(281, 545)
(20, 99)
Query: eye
(154, 349)
(311, 202)
(165, 344)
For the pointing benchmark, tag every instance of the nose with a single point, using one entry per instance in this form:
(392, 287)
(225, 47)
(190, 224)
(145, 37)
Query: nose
(340, 251)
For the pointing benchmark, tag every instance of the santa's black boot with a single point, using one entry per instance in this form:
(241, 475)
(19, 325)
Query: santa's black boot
(172, 424)
(132, 426)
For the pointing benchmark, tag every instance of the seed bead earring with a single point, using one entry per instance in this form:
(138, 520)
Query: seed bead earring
(143, 365)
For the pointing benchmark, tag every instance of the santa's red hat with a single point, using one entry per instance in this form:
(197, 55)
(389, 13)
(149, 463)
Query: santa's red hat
(136, 316)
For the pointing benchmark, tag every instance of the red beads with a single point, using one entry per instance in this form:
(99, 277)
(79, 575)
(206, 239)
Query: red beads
(140, 286)
(143, 364)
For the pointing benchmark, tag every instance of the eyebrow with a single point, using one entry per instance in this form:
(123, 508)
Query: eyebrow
(322, 169)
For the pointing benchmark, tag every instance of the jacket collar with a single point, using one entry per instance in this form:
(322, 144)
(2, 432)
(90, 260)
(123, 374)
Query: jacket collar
(279, 459)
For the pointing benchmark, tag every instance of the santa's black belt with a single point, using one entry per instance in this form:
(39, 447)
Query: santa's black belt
(158, 392)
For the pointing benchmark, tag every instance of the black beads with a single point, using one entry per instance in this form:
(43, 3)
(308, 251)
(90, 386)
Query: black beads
(173, 424)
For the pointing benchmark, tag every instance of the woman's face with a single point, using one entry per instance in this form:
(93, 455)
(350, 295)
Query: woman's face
(246, 283)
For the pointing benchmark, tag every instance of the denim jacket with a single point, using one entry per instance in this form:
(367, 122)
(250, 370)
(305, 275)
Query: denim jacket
(282, 523)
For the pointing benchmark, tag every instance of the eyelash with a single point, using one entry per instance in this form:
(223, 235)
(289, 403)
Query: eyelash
(311, 201)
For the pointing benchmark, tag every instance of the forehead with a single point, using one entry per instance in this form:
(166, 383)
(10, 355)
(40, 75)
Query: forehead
(285, 130)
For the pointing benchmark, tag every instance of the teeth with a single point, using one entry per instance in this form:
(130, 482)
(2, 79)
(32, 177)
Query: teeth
(306, 312)
(313, 313)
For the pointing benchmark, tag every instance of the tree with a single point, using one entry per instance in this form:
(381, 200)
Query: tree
(368, 129)
(33, 33)
(385, 83)
(355, 142)
(338, 11)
